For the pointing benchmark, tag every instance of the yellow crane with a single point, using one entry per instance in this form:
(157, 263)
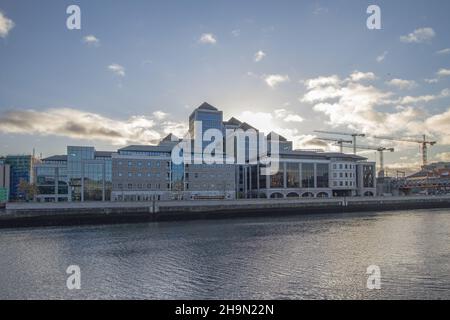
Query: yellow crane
(381, 151)
(352, 134)
(423, 144)
(338, 141)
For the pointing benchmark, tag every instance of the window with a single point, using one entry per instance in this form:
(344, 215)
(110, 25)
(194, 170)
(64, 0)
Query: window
(149, 164)
(130, 174)
(341, 183)
(340, 166)
(120, 163)
(322, 175)
(130, 186)
(149, 185)
(149, 174)
(119, 174)
(139, 164)
(292, 175)
(195, 175)
(139, 174)
(130, 163)
(308, 175)
(158, 163)
(346, 166)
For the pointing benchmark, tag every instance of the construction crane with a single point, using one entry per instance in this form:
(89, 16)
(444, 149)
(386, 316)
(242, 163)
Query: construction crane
(423, 145)
(353, 135)
(381, 151)
(339, 142)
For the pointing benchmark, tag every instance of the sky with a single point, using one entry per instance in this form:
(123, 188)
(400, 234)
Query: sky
(136, 69)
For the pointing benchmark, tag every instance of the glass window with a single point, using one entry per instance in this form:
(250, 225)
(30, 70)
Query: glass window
(307, 175)
(322, 175)
(292, 175)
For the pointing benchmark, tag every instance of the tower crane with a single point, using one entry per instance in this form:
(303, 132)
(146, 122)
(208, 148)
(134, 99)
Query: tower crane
(423, 144)
(338, 141)
(352, 134)
(381, 151)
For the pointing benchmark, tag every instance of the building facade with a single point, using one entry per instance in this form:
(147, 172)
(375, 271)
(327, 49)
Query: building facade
(84, 174)
(21, 169)
(4, 181)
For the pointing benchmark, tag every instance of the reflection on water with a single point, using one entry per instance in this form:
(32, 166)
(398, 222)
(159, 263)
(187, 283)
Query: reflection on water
(304, 257)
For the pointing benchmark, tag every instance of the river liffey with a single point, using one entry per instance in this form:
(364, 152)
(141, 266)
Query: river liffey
(301, 257)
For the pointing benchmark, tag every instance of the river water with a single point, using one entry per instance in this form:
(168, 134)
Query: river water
(301, 257)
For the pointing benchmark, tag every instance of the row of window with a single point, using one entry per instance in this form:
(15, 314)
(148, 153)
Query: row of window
(140, 174)
(343, 175)
(342, 183)
(143, 163)
(341, 166)
(120, 186)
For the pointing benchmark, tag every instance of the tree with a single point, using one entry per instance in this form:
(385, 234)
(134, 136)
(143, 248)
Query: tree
(30, 190)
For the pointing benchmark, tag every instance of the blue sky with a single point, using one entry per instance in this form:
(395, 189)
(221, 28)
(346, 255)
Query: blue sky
(145, 67)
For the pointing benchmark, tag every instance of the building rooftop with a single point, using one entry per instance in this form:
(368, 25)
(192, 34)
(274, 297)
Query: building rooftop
(56, 158)
(104, 154)
(147, 148)
(207, 106)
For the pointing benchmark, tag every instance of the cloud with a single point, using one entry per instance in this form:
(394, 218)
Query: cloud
(274, 80)
(425, 98)
(434, 80)
(207, 38)
(443, 156)
(381, 57)
(117, 69)
(367, 109)
(91, 40)
(359, 76)
(6, 25)
(444, 51)
(78, 124)
(443, 72)
(236, 33)
(160, 115)
(440, 125)
(287, 116)
(402, 84)
(419, 35)
(259, 55)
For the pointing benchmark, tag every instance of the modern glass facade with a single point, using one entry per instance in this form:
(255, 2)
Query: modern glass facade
(277, 180)
(20, 169)
(307, 175)
(292, 175)
(323, 175)
(368, 176)
(90, 177)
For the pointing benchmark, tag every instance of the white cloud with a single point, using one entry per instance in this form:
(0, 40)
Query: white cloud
(117, 69)
(434, 80)
(236, 33)
(363, 108)
(91, 40)
(382, 56)
(443, 72)
(425, 98)
(444, 51)
(78, 124)
(6, 25)
(359, 76)
(160, 115)
(274, 80)
(287, 116)
(207, 38)
(259, 55)
(419, 35)
(440, 125)
(443, 156)
(402, 84)
(322, 81)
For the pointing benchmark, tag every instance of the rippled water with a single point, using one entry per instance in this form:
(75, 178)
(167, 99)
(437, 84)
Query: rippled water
(303, 257)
